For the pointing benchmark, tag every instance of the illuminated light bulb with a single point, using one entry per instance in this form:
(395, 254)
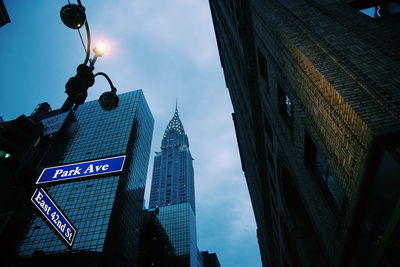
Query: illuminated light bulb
(100, 48)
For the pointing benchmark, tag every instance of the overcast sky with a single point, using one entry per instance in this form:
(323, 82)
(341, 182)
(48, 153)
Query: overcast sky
(168, 49)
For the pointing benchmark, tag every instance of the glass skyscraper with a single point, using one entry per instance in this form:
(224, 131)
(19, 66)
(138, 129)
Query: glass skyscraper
(172, 192)
(106, 211)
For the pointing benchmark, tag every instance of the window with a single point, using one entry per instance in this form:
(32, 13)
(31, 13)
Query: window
(270, 160)
(319, 167)
(309, 151)
(377, 9)
(285, 103)
(268, 129)
(262, 67)
(328, 179)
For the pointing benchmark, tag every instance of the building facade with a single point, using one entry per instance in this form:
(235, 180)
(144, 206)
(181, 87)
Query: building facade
(172, 192)
(173, 175)
(107, 211)
(314, 87)
(210, 259)
(155, 248)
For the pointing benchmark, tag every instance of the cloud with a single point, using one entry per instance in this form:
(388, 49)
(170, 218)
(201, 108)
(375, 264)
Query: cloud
(226, 226)
(243, 223)
(181, 27)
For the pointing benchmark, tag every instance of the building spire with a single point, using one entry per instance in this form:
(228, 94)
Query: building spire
(175, 124)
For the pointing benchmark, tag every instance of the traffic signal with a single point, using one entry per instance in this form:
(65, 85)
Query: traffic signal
(19, 140)
(77, 86)
(19, 135)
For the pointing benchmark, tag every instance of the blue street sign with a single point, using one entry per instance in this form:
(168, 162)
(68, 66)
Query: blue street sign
(57, 220)
(83, 169)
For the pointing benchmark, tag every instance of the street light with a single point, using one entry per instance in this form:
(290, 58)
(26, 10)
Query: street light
(108, 100)
(99, 50)
(74, 17)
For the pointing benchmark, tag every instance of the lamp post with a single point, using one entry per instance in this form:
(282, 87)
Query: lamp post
(74, 17)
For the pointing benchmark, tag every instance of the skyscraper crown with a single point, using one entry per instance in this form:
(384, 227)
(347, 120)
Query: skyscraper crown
(174, 134)
(175, 124)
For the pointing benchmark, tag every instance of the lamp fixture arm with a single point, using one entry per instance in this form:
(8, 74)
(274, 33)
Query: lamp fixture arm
(87, 36)
(113, 89)
(88, 43)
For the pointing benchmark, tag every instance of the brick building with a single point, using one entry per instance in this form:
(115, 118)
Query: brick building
(315, 88)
